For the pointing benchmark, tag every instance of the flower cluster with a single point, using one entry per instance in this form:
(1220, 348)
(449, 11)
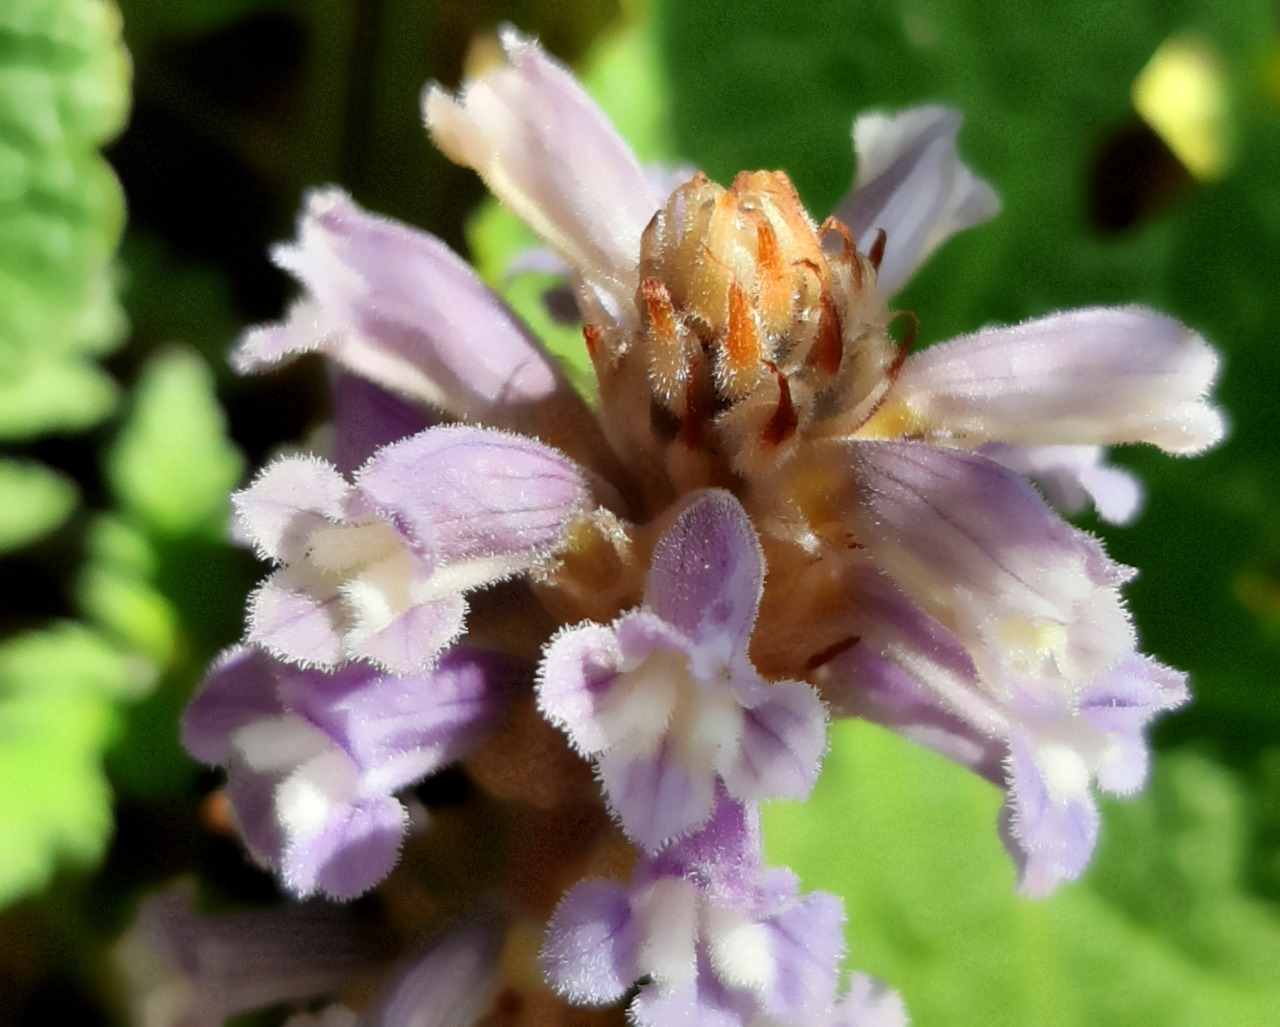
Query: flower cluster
(631, 620)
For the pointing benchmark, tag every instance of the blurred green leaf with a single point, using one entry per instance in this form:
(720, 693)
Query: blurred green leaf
(624, 74)
(58, 690)
(63, 93)
(1162, 933)
(171, 465)
(43, 394)
(33, 502)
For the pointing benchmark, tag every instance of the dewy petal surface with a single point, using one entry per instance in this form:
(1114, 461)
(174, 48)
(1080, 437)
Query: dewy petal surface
(1100, 376)
(912, 184)
(552, 157)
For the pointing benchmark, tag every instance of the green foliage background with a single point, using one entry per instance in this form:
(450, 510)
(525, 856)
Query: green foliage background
(118, 414)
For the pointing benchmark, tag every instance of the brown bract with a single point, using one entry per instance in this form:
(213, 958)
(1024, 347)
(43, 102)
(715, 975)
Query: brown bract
(754, 336)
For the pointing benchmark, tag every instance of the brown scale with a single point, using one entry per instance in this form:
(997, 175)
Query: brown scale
(747, 324)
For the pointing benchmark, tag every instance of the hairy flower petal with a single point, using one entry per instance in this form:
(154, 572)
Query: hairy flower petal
(545, 149)
(591, 949)
(1074, 476)
(486, 499)
(294, 615)
(655, 795)
(288, 500)
(400, 308)
(314, 759)
(977, 547)
(666, 699)
(912, 184)
(397, 307)
(357, 847)
(1099, 376)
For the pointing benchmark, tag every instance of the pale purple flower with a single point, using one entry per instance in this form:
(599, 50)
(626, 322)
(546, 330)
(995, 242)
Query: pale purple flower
(315, 760)
(397, 307)
(871, 463)
(774, 510)
(719, 939)
(1047, 738)
(911, 184)
(666, 701)
(378, 569)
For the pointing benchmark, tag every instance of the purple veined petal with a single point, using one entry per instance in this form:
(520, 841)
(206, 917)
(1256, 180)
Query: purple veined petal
(909, 673)
(879, 687)
(450, 984)
(655, 796)
(912, 184)
(400, 729)
(578, 666)
(296, 618)
(1072, 477)
(403, 310)
(286, 501)
(367, 417)
(357, 847)
(469, 496)
(978, 548)
(590, 950)
(397, 307)
(869, 1003)
(549, 154)
(1098, 376)
(239, 688)
(806, 945)
(781, 746)
(707, 573)
(1050, 819)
